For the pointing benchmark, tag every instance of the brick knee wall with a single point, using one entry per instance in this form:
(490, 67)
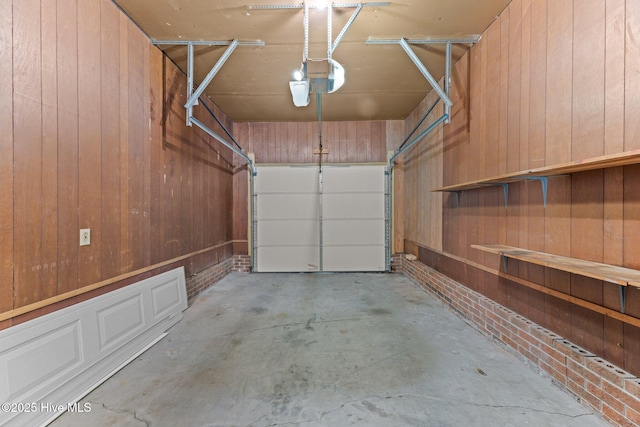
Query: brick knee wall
(242, 263)
(206, 278)
(596, 383)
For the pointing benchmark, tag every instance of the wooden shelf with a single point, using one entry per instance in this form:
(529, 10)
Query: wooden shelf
(541, 174)
(621, 276)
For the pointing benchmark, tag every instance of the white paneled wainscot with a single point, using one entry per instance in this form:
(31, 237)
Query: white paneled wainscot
(49, 363)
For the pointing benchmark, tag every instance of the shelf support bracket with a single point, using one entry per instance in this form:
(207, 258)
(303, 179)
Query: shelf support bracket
(544, 181)
(457, 193)
(623, 297)
(505, 190)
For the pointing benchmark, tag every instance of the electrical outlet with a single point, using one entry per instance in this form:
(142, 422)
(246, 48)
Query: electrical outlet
(85, 236)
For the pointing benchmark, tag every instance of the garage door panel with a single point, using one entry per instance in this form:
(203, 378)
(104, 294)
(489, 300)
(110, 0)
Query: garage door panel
(287, 206)
(353, 179)
(355, 232)
(354, 258)
(287, 179)
(288, 259)
(291, 232)
(301, 229)
(353, 206)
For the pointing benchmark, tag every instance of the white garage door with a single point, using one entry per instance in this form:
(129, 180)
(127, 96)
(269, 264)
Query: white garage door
(312, 220)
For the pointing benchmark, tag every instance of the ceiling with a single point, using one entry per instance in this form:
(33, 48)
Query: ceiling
(382, 83)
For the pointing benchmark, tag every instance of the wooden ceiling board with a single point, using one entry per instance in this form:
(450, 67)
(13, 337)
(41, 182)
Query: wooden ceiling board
(253, 85)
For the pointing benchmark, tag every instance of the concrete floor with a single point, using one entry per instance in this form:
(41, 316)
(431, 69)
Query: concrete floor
(326, 350)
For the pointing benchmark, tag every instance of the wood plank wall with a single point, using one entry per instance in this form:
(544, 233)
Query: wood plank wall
(422, 215)
(94, 136)
(295, 142)
(549, 82)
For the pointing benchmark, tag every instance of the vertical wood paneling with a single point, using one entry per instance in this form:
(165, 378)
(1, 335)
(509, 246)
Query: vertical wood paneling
(110, 145)
(492, 153)
(271, 142)
(482, 132)
(172, 193)
(587, 227)
(342, 134)
(27, 156)
(587, 135)
(587, 202)
(536, 241)
(538, 81)
(89, 137)
(68, 155)
(329, 139)
(48, 13)
(613, 211)
(156, 215)
(378, 150)
(125, 242)
(614, 95)
(200, 186)
(503, 85)
(525, 83)
(476, 108)
(631, 214)
(146, 124)
(291, 142)
(6, 156)
(559, 82)
(558, 241)
(136, 161)
(84, 144)
(473, 227)
(613, 228)
(352, 142)
(456, 133)
(292, 139)
(525, 86)
(632, 76)
(362, 136)
(513, 221)
(514, 91)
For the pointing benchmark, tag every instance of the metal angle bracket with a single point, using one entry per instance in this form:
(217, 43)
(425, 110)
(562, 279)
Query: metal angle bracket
(405, 44)
(544, 182)
(505, 191)
(623, 297)
(193, 95)
(457, 193)
(316, 6)
(332, 46)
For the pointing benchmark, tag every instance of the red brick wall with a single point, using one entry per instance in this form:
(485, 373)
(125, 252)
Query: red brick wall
(596, 383)
(206, 278)
(242, 263)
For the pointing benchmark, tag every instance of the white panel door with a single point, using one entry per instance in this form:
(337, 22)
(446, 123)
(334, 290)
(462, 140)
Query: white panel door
(287, 219)
(353, 218)
(304, 225)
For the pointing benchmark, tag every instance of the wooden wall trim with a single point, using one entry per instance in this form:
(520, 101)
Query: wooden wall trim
(49, 301)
